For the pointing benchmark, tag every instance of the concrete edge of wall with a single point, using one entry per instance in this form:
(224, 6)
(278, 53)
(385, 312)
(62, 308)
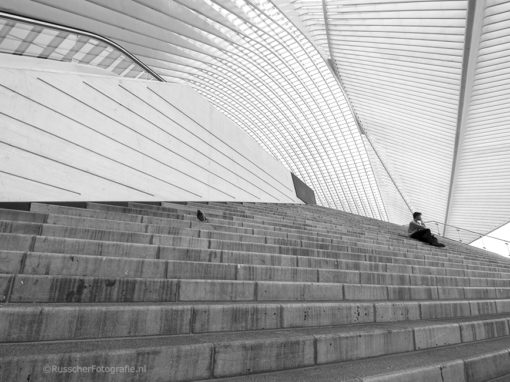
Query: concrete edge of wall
(303, 191)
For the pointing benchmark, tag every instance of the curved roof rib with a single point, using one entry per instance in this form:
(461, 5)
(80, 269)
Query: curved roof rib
(256, 67)
(427, 80)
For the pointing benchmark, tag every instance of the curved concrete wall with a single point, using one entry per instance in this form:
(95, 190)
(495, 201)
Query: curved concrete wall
(80, 136)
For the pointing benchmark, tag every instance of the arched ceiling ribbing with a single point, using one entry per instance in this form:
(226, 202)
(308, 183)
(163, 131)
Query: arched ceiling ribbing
(429, 82)
(255, 66)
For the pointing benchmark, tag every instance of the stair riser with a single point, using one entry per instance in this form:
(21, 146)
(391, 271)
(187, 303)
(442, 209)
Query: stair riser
(180, 222)
(104, 214)
(231, 234)
(182, 363)
(266, 217)
(208, 360)
(478, 369)
(258, 219)
(221, 210)
(71, 290)
(214, 240)
(115, 249)
(222, 215)
(116, 288)
(331, 227)
(227, 233)
(6, 282)
(221, 242)
(80, 322)
(258, 288)
(334, 220)
(134, 267)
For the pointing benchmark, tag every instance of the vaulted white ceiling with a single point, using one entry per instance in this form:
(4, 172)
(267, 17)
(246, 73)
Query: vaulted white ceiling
(255, 66)
(411, 114)
(430, 84)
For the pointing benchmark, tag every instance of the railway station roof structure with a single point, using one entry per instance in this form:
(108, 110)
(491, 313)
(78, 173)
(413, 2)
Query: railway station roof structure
(382, 107)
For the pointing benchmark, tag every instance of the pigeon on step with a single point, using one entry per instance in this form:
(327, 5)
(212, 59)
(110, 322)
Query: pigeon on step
(201, 216)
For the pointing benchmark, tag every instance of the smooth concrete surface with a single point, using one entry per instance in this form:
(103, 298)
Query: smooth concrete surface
(182, 363)
(437, 335)
(394, 311)
(483, 330)
(49, 323)
(256, 351)
(207, 318)
(259, 288)
(458, 363)
(241, 358)
(297, 315)
(31, 288)
(181, 222)
(131, 140)
(349, 346)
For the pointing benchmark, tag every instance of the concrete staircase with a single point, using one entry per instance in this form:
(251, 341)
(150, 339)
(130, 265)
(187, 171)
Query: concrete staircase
(261, 292)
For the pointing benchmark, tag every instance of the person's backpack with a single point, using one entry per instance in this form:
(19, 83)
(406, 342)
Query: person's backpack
(201, 216)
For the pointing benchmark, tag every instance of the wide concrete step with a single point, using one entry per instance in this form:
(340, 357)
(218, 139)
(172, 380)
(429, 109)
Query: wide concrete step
(242, 243)
(377, 238)
(79, 265)
(71, 264)
(51, 322)
(287, 212)
(201, 236)
(316, 220)
(198, 242)
(268, 219)
(259, 288)
(116, 287)
(171, 227)
(425, 249)
(503, 378)
(75, 222)
(192, 242)
(260, 237)
(329, 228)
(191, 357)
(360, 222)
(469, 362)
(46, 288)
(313, 212)
(234, 270)
(139, 215)
(390, 230)
(179, 222)
(142, 216)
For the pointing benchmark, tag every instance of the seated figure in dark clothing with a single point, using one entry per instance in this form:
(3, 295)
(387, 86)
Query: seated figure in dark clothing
(418, 231)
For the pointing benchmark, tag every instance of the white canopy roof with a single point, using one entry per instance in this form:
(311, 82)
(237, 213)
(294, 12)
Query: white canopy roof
(413, 115)
(430, 83)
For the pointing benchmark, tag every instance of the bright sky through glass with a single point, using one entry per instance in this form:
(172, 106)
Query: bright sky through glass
(502, 246)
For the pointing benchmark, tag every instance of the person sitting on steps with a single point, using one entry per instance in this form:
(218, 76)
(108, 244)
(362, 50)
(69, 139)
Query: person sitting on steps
(417, 230)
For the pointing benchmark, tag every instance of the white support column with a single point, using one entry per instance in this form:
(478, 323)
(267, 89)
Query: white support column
(474, 24)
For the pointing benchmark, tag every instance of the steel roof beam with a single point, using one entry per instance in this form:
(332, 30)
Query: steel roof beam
(474, 23)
